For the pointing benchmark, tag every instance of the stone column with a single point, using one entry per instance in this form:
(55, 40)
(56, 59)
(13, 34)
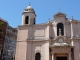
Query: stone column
(69, 54)
(29, 21)
(55, 31)
(64, 30)
(23, 20)
(71, 30)
(52, 56)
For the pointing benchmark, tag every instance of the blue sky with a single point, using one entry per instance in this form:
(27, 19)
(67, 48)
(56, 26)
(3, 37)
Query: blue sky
(11, 10)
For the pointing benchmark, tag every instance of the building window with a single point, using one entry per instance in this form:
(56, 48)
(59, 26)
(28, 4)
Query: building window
(1, 30)
(34, 21)
(1, 33)
(0, 37)
(26, 19)
(60, 26)
(38, 56)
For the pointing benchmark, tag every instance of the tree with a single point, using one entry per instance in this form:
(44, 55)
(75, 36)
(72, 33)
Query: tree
(1, 23)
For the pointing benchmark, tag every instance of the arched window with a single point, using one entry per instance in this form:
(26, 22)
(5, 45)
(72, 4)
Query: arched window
(34, 21)
(60, 26)
(38, 56)
(26, 19)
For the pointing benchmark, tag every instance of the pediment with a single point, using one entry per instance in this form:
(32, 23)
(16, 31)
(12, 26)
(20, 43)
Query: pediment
(60, 14)
(61, 41)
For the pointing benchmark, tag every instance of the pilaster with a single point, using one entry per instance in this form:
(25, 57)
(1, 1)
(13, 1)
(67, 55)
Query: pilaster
(69, 54)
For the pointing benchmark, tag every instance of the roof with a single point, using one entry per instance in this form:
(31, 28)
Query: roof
(29, 9)
(3, 20)
(59, 14)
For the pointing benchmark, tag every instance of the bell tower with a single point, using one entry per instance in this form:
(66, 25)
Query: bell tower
(28, 16)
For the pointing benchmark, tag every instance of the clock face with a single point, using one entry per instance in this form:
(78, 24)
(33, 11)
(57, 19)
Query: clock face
(60, 40)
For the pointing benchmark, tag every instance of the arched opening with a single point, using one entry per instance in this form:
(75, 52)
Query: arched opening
(34, 21)
(38, 56)
(26, 19)
(60, 26)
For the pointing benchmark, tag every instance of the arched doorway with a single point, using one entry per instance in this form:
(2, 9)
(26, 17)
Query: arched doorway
(38, 56)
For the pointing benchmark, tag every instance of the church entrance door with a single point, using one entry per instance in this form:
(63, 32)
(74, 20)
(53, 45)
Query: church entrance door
(61, 58)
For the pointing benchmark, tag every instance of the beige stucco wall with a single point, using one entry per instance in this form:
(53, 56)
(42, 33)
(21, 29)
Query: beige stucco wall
(76, 50)
(35, 38)
(22, 34)
(21, 51)
(38, 47)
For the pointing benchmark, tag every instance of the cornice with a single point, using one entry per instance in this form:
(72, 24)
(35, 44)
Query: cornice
(27, 25)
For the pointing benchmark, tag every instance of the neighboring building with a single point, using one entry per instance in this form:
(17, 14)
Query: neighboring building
(3, 26)
(58, 39)
(10, 43)
(8, 37)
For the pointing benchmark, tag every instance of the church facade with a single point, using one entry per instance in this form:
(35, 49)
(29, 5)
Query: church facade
(58, 39)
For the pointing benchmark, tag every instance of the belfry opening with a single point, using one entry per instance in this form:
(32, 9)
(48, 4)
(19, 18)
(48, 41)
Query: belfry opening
(26, 19)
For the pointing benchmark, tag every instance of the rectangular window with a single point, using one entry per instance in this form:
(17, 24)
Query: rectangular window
(0, 37)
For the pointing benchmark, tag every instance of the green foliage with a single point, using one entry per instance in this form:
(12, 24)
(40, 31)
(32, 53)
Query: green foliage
(0, 45)
(1, 23)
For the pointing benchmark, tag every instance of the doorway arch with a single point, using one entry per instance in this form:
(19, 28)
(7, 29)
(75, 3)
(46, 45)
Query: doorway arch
(37, 56)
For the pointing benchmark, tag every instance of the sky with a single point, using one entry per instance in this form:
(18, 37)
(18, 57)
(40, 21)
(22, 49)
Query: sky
(11, 10)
